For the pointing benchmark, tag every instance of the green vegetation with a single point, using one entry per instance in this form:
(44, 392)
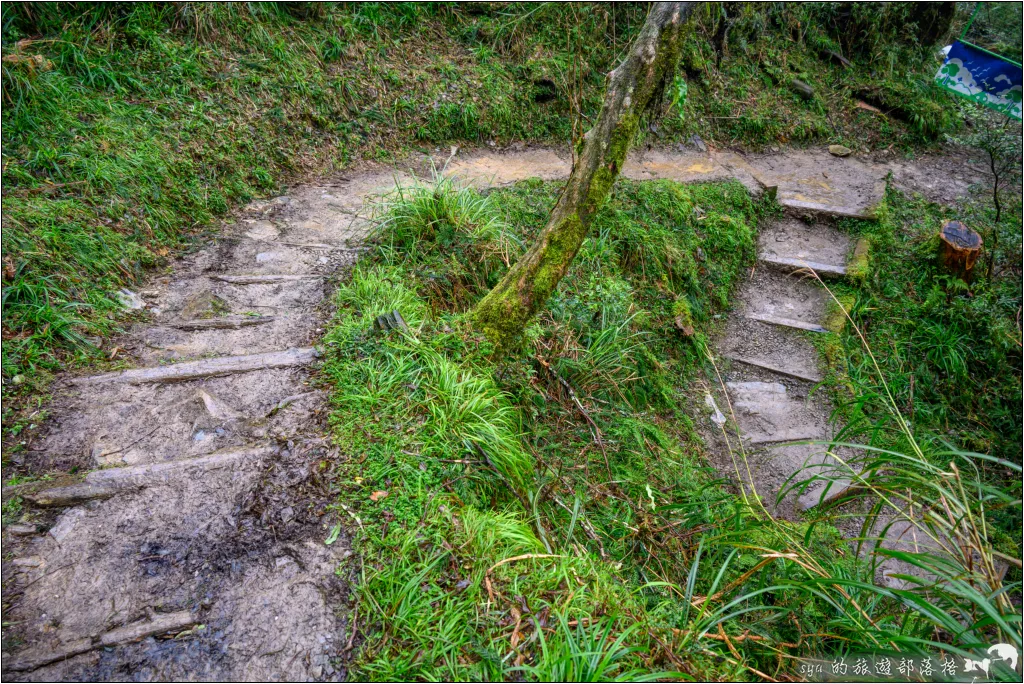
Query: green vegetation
(548, 512)
(948, 352)
(128, 128)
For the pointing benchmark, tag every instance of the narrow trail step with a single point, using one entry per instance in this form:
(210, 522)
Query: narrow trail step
(161, 623)
(193, 370)
(794, 264)
(264, 279)
(764, 365)
(826, 493)
(787, 322)
(103, 484)
(867, 213)
(222, 323)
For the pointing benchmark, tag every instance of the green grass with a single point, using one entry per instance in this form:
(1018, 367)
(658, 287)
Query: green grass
(129, 128)
(549, 513)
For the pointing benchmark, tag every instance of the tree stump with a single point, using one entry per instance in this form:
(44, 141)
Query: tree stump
(959, 248)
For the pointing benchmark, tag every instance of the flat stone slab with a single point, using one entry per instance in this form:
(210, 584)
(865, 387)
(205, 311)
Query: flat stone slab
(793, 265)
(815, 182)
(772, 348)
(766, 413)
(792, 245)
(779, 299)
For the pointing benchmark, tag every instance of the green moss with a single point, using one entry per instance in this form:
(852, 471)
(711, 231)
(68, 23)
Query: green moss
(837, 312)
(683, 316)
(859, 266)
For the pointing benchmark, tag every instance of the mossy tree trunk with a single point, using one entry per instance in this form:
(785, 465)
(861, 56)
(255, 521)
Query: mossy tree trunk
(634, 87)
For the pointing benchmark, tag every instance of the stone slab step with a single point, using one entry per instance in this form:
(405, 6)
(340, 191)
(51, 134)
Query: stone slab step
(259, 279)
(792, 264)
(795, 373)
(791, 244)
(780, 350)
(787, 322)
(767, 414)
(821, 208)
(193, 370)
(771, 297)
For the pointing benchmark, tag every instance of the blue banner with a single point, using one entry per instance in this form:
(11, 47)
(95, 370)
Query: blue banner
(984, 78)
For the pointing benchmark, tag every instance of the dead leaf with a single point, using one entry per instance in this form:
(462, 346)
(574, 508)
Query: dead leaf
(377, 496)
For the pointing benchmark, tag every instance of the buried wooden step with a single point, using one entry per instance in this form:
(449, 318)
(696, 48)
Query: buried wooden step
(791, 264)
(222, 323)
(787, 322)
(264, 279)
(193, 370)
(160, 623)
(103, 484)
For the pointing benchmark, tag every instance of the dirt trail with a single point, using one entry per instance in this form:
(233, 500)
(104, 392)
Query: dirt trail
(208, 517)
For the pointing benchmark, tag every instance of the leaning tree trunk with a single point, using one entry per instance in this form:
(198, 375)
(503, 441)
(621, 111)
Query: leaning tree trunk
(636, 85)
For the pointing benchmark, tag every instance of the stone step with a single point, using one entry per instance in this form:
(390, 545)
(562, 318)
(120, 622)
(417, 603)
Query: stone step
(795, 373)
(767, 414)
(779, 299)
(787, 322)
(780, 350)
(795, 264)
(194, 370)
(791, 245)
(866, 213)
(265, 279)
(173, 340)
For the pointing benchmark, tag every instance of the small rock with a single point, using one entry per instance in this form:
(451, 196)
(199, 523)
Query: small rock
(129, 299)
(17, 379)
(150, 294)
(22, 530)
(287, 514)
(698, 143)
(839, 151)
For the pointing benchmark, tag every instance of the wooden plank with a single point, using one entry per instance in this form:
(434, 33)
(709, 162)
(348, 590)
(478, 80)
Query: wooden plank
(161, 623)
(193, 370)
(103, 484)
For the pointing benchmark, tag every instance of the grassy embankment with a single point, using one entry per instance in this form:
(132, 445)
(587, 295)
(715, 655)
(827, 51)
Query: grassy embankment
(129, 128)
(550, 514)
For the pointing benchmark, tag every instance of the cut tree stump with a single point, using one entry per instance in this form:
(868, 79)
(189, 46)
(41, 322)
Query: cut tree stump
(959, 248)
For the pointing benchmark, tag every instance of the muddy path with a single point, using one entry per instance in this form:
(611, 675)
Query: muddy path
(193, 541)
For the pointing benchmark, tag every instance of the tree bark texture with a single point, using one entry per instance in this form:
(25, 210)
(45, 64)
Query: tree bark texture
(959, 248)
(632, 88)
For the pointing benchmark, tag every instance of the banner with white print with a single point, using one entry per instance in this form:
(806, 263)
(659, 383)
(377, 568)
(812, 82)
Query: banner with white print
(982, 77)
